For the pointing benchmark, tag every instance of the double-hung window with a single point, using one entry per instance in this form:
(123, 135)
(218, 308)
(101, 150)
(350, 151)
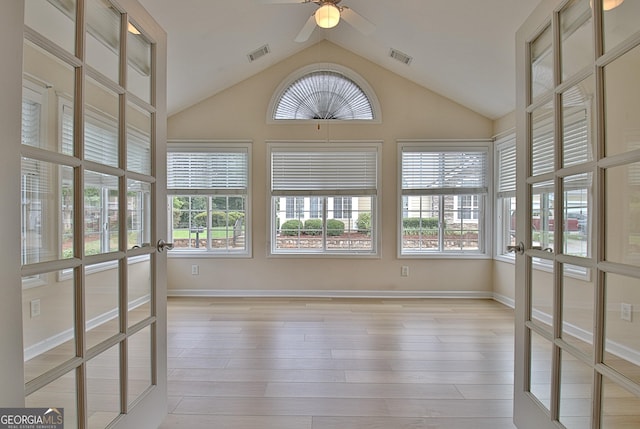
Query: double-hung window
(208, 193)
(444, 189)
(505, 195)
(324, 198)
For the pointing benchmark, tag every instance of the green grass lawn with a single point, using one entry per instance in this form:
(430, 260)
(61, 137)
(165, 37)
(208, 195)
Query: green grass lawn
(216, 233)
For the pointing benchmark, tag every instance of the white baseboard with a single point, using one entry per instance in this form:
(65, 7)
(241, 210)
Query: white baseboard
(612, 347)
(67, 335)
(505, 300)
(236, 293)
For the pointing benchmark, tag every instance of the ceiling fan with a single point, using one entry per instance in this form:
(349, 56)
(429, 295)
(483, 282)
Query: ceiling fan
(328, 15)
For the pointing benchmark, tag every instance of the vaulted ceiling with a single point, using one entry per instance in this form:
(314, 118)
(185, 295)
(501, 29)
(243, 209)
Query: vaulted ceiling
(461, 49)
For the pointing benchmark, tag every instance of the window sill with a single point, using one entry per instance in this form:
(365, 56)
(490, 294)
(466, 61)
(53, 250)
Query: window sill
(182, 254)
(444, 256)
(325, 255)
(509, 259)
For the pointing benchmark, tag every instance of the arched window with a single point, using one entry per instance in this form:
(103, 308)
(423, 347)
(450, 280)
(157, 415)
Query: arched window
(324, 92)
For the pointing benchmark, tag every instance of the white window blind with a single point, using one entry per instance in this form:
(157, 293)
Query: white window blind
(542, 150)
(30, 123)
(138, 152)
(435, 172)
(355, 171)
(100, 133)
(506, 181)
(576, 145)
(35, 173)
(324, 94)
(223, 170)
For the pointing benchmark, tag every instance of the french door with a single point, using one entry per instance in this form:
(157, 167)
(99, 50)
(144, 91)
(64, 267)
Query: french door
(578, 217)
(92, 209)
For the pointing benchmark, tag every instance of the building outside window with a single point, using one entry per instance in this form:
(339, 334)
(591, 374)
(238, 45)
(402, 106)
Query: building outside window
(444, 191)
(324, 198)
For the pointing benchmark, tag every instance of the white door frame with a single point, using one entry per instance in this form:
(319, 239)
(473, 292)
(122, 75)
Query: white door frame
(150, 410)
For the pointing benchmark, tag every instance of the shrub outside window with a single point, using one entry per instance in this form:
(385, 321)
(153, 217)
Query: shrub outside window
(444, 189)
(324, 199)
(208, 196)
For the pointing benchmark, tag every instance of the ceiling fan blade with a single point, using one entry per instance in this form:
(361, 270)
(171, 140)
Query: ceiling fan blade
(306, 31)
(357, 21)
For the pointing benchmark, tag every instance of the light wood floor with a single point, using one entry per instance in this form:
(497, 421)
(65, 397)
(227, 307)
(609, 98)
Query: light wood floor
(339, 363)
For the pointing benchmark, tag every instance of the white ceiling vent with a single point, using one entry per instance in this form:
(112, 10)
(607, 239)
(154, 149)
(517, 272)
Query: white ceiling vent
(260, 52)
(400, 56)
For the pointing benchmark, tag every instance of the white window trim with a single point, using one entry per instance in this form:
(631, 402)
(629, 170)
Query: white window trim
(347, 72)
(182, 145)
(500, 253)
(327, 145)
(36, 91)
(449, 145)
(510, 258)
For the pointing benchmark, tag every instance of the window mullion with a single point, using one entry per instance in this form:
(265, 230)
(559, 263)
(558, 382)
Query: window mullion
(441, 223)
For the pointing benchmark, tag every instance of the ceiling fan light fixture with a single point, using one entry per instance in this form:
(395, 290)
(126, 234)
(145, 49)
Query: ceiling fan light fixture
(608, 4)
(611, 4)
(327, 15)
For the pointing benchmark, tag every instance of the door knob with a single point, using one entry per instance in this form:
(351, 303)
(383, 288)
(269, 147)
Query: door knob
(163, 245)
(518, 248)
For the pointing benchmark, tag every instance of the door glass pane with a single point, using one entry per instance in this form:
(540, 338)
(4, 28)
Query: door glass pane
(54, 19)
(138, 213)
(101, 302)
(575, 392)
(577, 141)
(101, 213)
(138, 140)
(46, 211)
(103, 38)
(48, 83)
(101, 124)
(576, 29)
(540, 365)
(542, 298)
(541, 64)
(575, 211)
(622, 325)
(139, 293)
(48, 322)
(620, 20)
(103, 388)
(139, 363)
(577, 308)
(622, 202)
(622, 102)
(542, 220)
(542, 141)
(619, 407)
(139, 63)
(60, 393)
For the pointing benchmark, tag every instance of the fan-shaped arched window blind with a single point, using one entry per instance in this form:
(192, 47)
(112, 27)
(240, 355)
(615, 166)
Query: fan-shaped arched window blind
(324, 94)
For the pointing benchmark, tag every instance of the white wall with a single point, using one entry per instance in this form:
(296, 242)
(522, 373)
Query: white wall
(409, 111)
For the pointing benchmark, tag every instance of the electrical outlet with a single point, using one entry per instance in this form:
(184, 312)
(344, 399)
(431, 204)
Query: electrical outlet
(626, 311)
(35, 308)
(405, 271)
(195, 270)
